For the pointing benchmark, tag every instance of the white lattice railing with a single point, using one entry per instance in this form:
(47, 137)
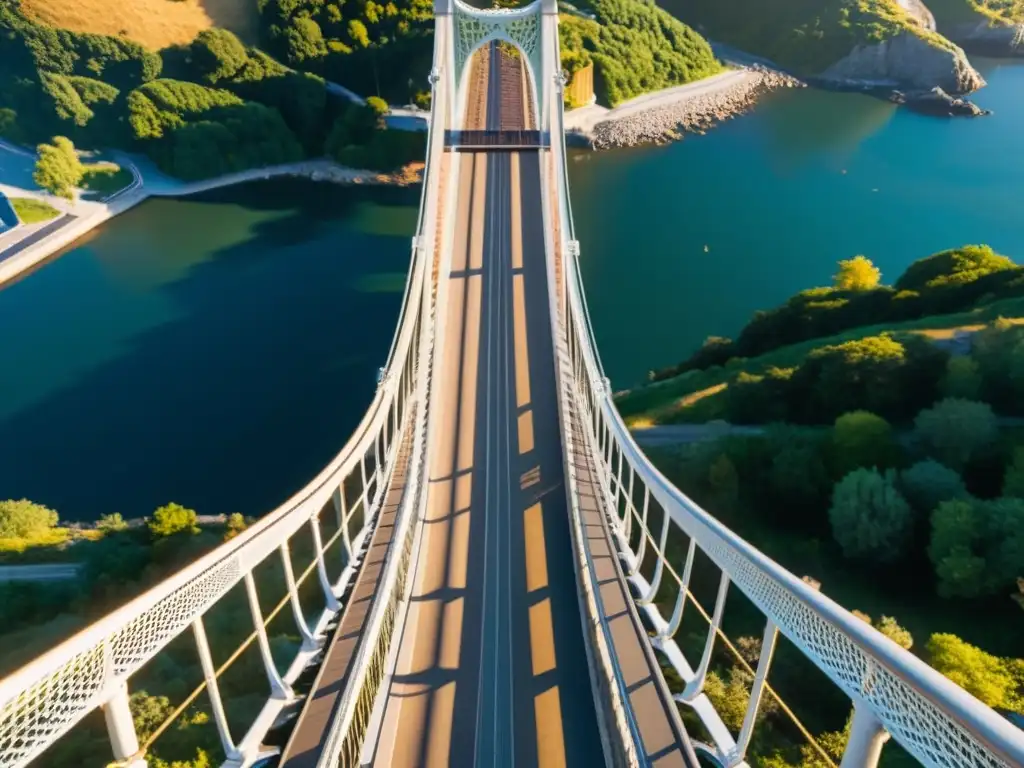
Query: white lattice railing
(42, 701)
(892, 691)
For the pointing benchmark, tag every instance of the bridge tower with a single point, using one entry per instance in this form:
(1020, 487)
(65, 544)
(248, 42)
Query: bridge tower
(527, 28)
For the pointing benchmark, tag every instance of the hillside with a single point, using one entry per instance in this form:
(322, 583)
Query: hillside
(993, 27)
(817, 38)
(152, 23)
(636, 48)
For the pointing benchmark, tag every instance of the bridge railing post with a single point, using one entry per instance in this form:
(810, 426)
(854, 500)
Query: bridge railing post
(867, 738)
(121, 728)
(220, 719)
(308, 641)
(278, 687)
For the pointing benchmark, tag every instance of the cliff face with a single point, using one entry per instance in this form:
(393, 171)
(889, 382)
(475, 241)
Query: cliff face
(907, 61)
(988, 38)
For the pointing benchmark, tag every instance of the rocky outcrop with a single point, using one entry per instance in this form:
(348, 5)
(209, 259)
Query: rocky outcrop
(937, 102)
(988, 38)
(906, 61)
(693, 114)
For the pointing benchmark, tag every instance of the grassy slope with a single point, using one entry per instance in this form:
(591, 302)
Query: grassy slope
(153, 23)
(805, 35)
(31, 211)
(948, 12)
(698, 396)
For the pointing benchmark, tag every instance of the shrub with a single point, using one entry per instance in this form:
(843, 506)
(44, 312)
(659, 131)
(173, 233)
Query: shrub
(58, 169)
(857, 274)
(962, 379)
(217, 55)
(171, 519)
(236, 524)
(956, 431)
(862, 439)
(111, 523)
(953, 267)
(977, 546)
(869, 517)
(984, 676)
(25, 519)
(928, 483)
(887, 626)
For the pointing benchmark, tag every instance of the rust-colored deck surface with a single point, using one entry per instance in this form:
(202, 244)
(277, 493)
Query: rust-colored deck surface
(310, 734)
(665, 742)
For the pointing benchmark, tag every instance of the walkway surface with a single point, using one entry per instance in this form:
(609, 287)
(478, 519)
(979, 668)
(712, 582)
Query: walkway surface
(492, 668)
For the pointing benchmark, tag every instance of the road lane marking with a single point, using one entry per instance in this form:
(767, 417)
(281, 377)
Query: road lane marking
(550, 739)
(542, 638)
(522, 348)
(536, 551)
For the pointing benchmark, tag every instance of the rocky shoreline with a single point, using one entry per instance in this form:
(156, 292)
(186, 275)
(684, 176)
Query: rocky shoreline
(694, 114)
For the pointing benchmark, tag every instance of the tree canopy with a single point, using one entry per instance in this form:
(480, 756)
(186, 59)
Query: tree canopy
(857, 274)
(994, 681)
(58, 169)
(24, 519)
(977, 546)
(870, 519)
(956, 431)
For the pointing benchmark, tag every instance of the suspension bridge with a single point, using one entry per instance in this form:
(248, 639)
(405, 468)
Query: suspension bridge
(491, 571)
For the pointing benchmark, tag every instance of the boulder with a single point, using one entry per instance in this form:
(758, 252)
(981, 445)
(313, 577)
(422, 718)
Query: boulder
(937, 102)
(907, 61)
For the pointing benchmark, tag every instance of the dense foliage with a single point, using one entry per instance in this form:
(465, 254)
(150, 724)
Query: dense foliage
(382, 48)
(101, 91)
(870, 518)
(635, 46)
(804, 35)
(25, 519)
(946, 282)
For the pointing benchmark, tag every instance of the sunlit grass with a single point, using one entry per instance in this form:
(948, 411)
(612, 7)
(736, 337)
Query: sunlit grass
(32, 211)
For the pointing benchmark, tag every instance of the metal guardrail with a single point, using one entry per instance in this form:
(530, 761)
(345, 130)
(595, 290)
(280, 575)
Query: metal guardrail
(891, 690)
(496, 139)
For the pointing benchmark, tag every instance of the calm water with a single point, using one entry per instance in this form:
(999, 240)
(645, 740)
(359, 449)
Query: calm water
(215, 352)
(778, 196)
(218, 351)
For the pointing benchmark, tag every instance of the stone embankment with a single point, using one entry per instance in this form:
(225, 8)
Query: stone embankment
(694, 114)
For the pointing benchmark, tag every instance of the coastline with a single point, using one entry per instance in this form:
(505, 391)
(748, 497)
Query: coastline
(656, 118)
(84, 216)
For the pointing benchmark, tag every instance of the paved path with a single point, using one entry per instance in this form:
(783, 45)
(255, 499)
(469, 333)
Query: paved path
(48, 572)
(492, 668)
(585, 119)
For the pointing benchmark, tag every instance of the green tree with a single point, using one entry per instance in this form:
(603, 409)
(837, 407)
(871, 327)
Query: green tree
(217, 55)
(378, 105)
(304, 41)
(956, 431)
(171, 519)
(58, 169)
(928, 483)
(962, 378)
(857, 274)
(730, 693)
(888, 626)
(1013, 480)
(862, 439)
(24, 519)
(953, 267)
(111, 523)
(869, 517)
(977, 546)
(358, 34)
(236, 524)
(988, 678)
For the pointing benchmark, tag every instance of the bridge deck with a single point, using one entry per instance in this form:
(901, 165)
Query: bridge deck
(308, 738)
(492, 668)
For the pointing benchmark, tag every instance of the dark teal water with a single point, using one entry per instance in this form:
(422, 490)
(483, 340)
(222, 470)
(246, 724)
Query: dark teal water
(777, 197)
(216, 351)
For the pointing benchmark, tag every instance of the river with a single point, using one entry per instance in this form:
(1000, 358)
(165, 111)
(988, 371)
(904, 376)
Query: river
(218, 351)
(687, 240)
(215, 351)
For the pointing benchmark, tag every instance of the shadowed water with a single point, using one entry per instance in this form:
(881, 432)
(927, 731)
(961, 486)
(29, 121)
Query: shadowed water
(215, 351)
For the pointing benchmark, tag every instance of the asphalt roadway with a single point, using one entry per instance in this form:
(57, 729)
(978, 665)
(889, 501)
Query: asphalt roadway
(492, 668)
